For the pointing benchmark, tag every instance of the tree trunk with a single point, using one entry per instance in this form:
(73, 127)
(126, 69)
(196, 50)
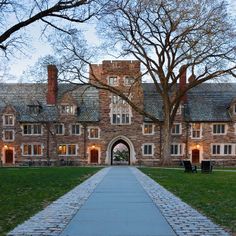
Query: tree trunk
(166, 137)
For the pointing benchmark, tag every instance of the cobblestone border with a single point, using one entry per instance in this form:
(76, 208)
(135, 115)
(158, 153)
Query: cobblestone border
(183, 219)
(54, 218)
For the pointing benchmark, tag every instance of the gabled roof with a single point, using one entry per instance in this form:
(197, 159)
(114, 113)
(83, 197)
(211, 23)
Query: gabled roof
(20, 96)
(207, 102)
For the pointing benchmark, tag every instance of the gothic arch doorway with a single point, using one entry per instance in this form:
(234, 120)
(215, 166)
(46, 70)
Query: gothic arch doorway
(120, 153)
(127, 145)
(195, 156)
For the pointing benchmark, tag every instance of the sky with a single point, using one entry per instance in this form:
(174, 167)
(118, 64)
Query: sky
(40, 47)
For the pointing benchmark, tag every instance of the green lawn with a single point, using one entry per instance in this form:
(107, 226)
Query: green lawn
(25, 191)
(212, 194)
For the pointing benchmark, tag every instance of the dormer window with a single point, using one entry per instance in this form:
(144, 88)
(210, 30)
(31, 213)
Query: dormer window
(34, 109)
(67, 109)
(113, 81)
(8, 120)
(128, 81)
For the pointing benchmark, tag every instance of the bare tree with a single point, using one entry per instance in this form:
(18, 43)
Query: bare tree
(17, 15)
(172, 38)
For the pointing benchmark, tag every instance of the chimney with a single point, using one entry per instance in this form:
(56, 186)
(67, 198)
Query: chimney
(182, 81)
(52, 85)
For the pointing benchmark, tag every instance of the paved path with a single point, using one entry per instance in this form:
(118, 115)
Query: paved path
(119, 206)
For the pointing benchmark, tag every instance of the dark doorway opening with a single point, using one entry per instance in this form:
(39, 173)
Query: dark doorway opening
(9, 156)
(120, 153)
(195, 156)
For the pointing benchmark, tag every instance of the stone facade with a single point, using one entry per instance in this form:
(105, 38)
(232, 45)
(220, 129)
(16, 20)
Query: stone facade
(61, 124)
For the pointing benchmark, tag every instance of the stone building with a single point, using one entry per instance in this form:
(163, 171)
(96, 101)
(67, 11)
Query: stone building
(80, 124)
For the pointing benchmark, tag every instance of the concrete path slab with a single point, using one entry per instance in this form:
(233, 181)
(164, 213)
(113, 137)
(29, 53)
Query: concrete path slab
(119, 206)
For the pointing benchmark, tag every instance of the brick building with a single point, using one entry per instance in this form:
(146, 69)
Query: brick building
(79, 124)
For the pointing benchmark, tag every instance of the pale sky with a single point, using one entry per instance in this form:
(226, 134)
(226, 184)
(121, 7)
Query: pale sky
(42, 48)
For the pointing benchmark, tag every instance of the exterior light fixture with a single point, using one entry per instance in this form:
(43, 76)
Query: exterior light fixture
(93, 146)
(60, 147)
(6, 146)
(198, 146)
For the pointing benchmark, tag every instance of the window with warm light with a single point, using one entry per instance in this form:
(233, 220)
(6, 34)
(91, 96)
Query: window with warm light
(94, 133)
(148, 129)
(196, 131)
(8, 135)
(32, 150)
(67, 150)
(8, 120)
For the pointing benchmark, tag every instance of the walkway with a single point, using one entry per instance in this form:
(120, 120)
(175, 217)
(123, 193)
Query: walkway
(119, 206)
(118, 201)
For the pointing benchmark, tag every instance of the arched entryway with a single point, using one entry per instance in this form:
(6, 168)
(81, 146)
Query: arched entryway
(120, 153)
(122, 141)
(9, 156)
(195, 156)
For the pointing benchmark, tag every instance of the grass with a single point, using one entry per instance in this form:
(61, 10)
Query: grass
(25, 191)
(214, 194)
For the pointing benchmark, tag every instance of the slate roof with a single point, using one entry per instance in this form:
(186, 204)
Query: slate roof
(20, 96)
(207, 102)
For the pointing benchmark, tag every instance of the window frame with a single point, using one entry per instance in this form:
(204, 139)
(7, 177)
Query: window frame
(152, 149)
(89, 132)
(222, 149)
(32, 149)
(128, 78)
(63, 129)
(222, 124)
(71, 129)
(152, 128)
(4, 135)
(200, 131)
(113, 84)
(4, 119)
(67, 149)
(32, 129)
(180, 129)
(65, 111)
(180, 149)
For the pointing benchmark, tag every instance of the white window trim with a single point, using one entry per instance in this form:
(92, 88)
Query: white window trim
(233, 152)
(80, 129)
(143, 128)
(180, 129)
(125, 81)
(67, 144)
(226, 128)
(148, 155)
(234, 107)
(4, 123)
(32, 144)
(113, 76)
(94, 127)
(22, 128)
(191, 131)
(8, 140)
(111, 111)
(180, 145)
(68, 104)
(63, 133)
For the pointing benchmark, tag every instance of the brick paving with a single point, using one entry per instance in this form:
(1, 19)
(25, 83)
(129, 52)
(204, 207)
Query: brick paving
(183, 219)
(53, 219)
